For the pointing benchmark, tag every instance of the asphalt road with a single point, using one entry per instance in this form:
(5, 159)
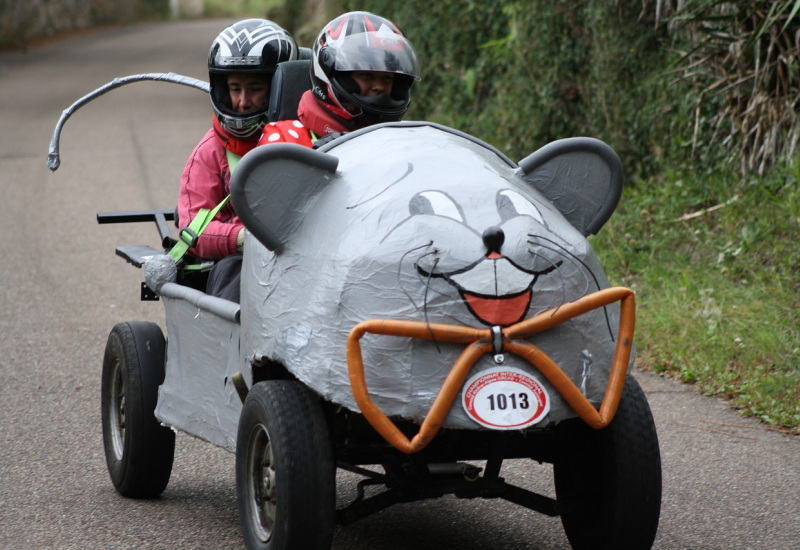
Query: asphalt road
(728, 482)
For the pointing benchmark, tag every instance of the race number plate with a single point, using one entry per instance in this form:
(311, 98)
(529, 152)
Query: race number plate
(505, 398)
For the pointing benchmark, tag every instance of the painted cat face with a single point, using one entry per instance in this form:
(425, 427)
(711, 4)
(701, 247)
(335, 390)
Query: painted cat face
(417, 222)
(488, 254)
(427, 216)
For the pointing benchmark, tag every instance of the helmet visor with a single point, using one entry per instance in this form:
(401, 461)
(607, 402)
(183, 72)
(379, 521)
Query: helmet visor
(377, 51)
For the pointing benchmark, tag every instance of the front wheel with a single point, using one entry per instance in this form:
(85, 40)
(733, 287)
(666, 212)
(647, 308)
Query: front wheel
(608, 482)
(285, 473)
(139, 450)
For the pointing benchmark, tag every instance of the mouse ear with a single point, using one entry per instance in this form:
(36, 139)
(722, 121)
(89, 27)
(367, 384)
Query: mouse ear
(274, 186)
(581, 176)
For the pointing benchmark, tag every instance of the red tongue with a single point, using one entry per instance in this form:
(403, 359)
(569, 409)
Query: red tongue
(499, 311)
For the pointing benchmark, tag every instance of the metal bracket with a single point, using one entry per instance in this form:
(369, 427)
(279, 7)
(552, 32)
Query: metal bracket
(147, 294)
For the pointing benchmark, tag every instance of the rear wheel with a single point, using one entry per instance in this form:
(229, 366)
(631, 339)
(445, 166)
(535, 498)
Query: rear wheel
(139, 450)
(285, 473)
(608, 482)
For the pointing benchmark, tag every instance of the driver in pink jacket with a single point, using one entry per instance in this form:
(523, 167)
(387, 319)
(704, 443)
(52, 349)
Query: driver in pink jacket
(368, 83)
(241, 63)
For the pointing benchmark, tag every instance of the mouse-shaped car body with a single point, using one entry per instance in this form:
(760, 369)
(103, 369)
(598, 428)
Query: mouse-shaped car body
(416, 308)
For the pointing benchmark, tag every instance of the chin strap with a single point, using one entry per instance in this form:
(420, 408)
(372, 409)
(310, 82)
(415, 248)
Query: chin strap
(187, 237)
(238, 146)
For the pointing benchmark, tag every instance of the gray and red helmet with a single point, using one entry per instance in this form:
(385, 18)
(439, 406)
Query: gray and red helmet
(252, 46)
(362, 41)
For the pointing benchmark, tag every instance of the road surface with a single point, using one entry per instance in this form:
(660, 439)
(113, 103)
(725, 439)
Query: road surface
(728, 482)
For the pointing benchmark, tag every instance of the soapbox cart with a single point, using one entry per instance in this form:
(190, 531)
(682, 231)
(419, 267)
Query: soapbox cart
(416, 309)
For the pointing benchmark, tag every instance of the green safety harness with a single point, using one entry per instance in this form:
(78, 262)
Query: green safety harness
(187, 237)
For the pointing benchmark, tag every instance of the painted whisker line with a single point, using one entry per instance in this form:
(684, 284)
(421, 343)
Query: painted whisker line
(425, 308)
(568, 254)
(400, 269)
(569, 258)
(558, 249)
(554, 265)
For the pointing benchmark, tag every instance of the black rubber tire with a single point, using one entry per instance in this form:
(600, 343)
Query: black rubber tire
(139, 450)
(608, 482)
(285, 472)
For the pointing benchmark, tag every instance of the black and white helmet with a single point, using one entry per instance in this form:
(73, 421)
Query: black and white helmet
(252, 46)
(362, 41)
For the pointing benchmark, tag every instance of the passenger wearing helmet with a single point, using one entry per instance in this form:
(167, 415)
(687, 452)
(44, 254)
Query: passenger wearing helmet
(361, 74)
(362, 70)
(352, 46)
(241, 63)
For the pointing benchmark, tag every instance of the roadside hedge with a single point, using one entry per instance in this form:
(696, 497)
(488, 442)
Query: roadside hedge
(520, 74)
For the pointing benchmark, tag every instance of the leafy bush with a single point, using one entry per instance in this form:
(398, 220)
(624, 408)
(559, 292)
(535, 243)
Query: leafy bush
(520, 74)
(744, 59)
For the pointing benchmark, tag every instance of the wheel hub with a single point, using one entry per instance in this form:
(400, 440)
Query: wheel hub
(117, 412)
(262, 484)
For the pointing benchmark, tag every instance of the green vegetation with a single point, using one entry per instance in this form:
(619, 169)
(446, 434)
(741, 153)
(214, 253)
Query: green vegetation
(303, 19)
(716, 283)
(154, 10)
(702, 106)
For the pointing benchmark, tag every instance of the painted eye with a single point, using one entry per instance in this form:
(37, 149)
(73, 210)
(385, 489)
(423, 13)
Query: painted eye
(435, 203)
(511, 204)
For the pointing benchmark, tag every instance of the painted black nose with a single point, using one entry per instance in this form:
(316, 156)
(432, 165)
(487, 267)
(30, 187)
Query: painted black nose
(493, 239)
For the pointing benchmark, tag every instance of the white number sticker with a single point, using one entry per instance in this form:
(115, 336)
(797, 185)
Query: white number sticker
(505, 398)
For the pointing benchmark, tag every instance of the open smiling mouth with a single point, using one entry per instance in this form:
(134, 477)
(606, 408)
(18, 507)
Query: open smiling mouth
(496, 291)
(502, 311)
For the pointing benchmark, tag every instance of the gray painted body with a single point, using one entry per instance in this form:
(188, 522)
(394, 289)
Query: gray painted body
(197, 396)
(387, 223)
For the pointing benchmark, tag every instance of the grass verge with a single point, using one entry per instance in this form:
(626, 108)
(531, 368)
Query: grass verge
(714, 265)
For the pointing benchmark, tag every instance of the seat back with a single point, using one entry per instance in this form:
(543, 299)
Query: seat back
(289, 83)
(305, 53)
